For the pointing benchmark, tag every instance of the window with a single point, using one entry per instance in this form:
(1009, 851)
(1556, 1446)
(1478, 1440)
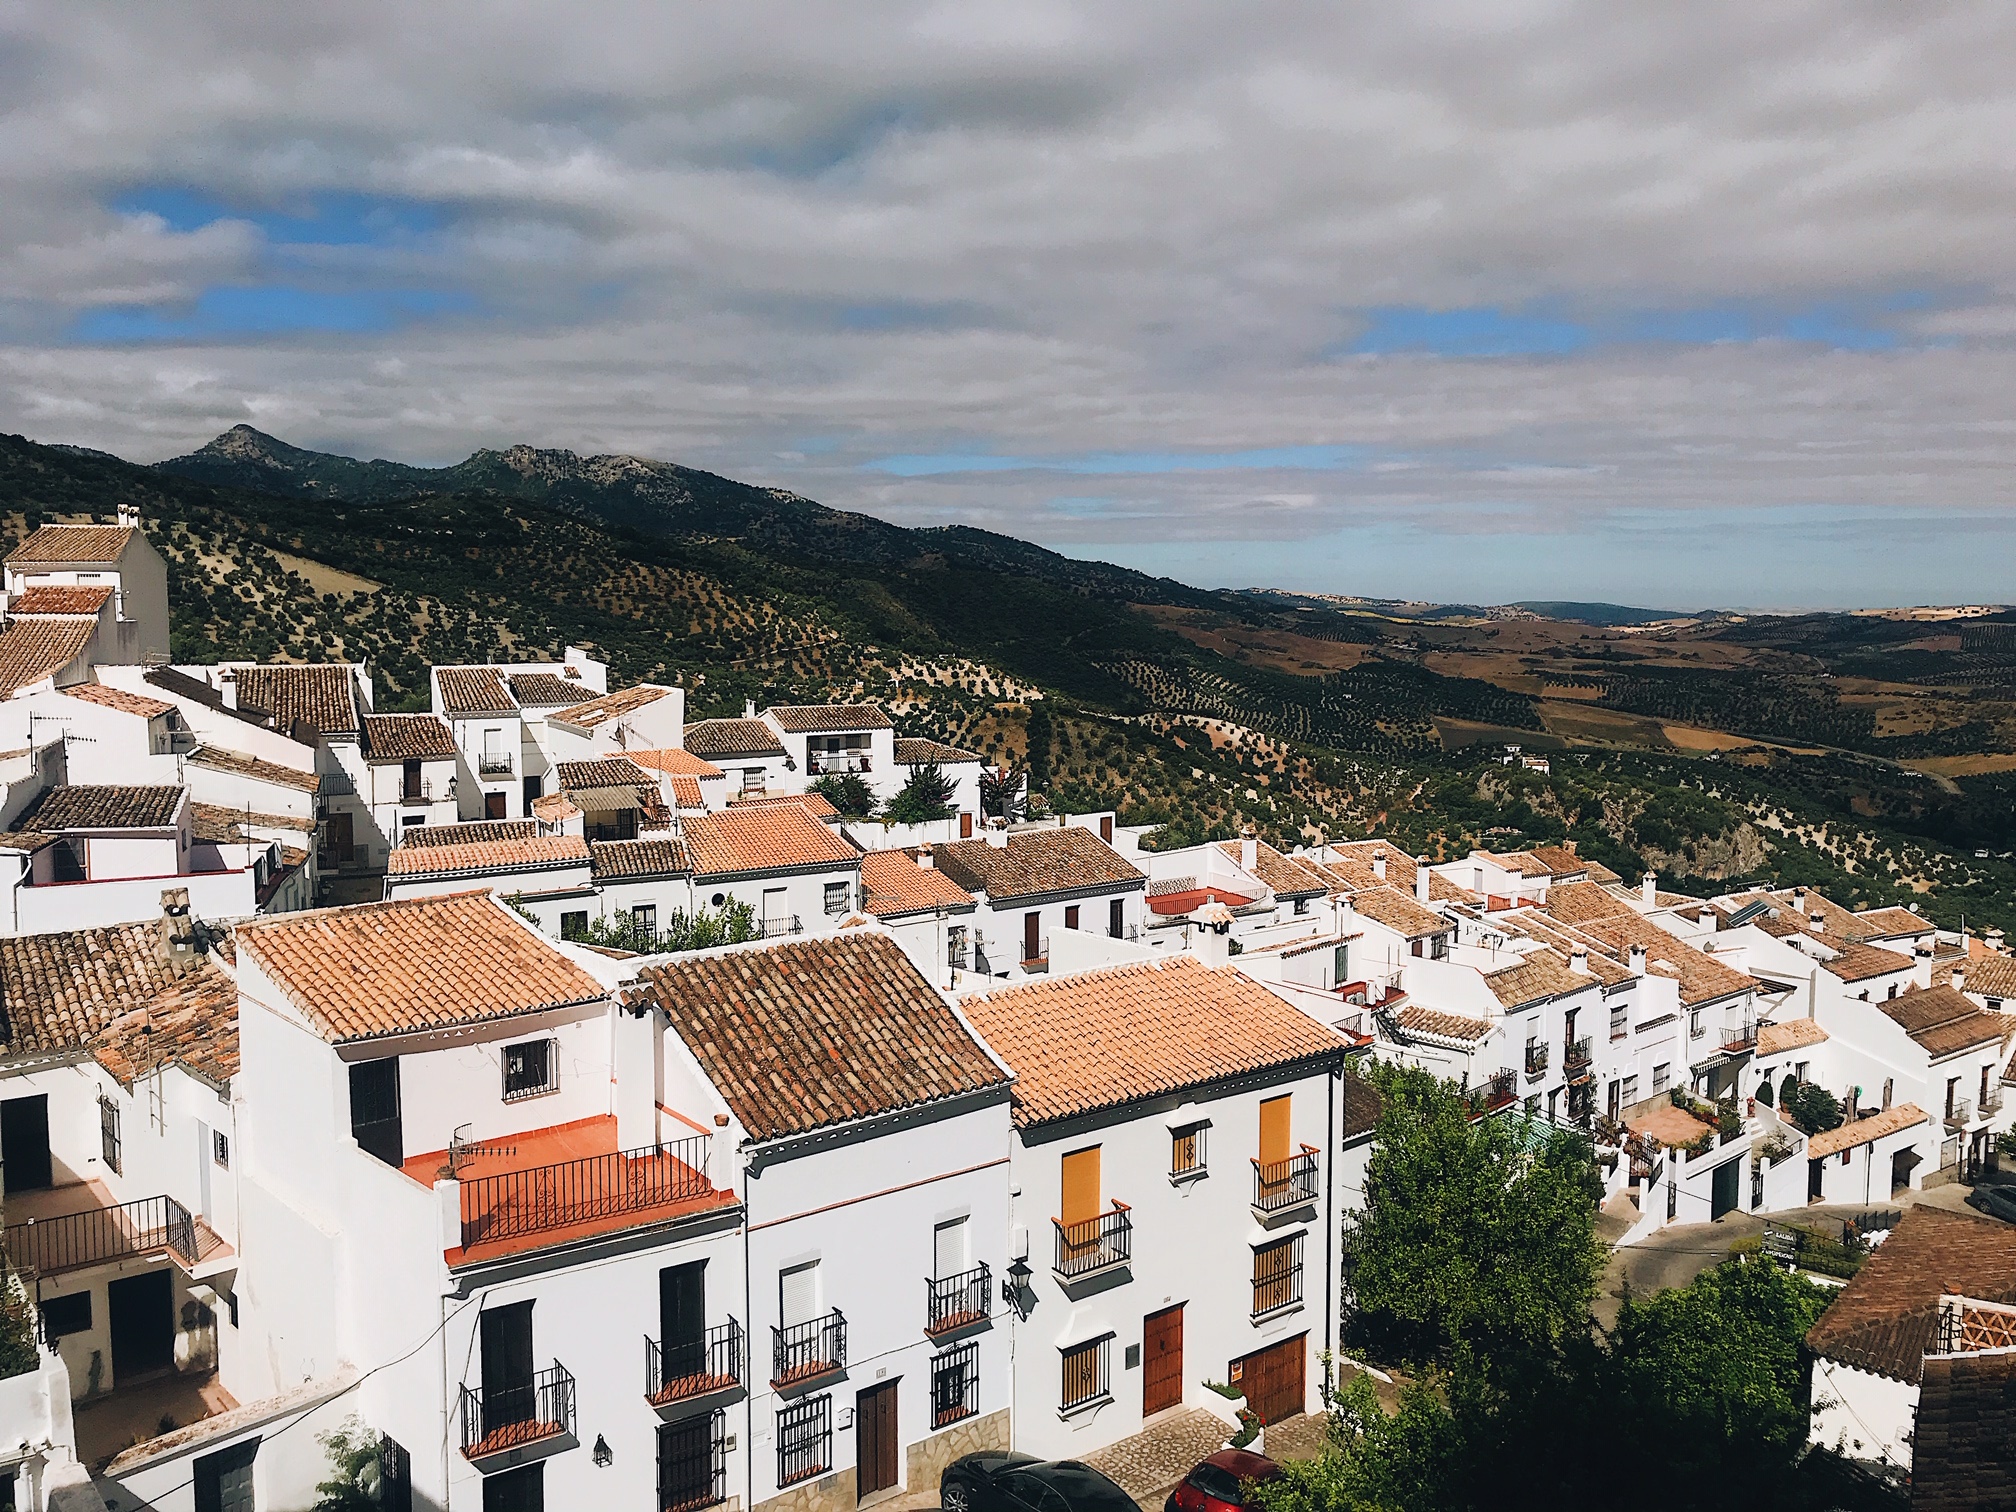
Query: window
(1889, 1088)
(1085, 1373)
(644, 918)
(574, 925)
(955, 1384)
(752, 779)
(66, 861)
(955, 947)
(1891, 993)
(1301, 907)
(66, 1315)
(798, 1294)
(1661, 1075)
(804, 1440)
(374, 1109)
(1340, 965)
(693, 1462)
(223, 1481)
(108, 1135)
(1071, 917)
(1186, 1151)
(836, 898)
(1116, 919)
(1630, 1092)
(520, 1490)
(528, 1069)
(1277, 1274)
(412, 787)
(1694, 1029)
(1620, 1023)
(220, 1148)
(949, 1250)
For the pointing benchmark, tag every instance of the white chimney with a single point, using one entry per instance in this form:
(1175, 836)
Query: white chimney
(1379, 866)
(1421, 879)
(927, 858)
(1817, 922)
(1993, 940)
(996, 833)
(748, 708)
(1578, 960)
(1648, 889)
(1799, 900)
(1638, 960)
(1959, 978)
(1211, 938)
(129, 517)
(1249, 848)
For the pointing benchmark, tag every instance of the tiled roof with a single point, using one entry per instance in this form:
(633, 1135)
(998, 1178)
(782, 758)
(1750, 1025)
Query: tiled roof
(473, 690)
(35, 649)
(179, 684)
(1857, 962)
(686, 792)
(63, 992)
(223, 826)
(1098, 1039)
(1363, 1106)
(1286, 875)
(816, 804)
(817, 719)
(675, 762)
(1862, 1131)
(613, 771)
(1578, 902)
(1036, 862)
(1701, 977)
(810, 1033)
(635, 860)
(538, 853)
(1836, 922)
(323, 697)
(764, 839)
(1399, 913)
(54, 598)
(1884, 923)
(1542, 975)
(1788, 1034)
(1418, 1020)
(1944, 1022)
(471, 832)
(1963, 1450)
(1886, 1318)
(193, 1023)
(102, 807)
(1399, 863)
(119, 698)
(94, 545)
(406, 737)
(715, 738)
(892, 884)
(218, 759)
(1558, 859)
(912, 752)
(546, 690)
(414, 964)
(554, 808)
(612, 705)
(1989, 975)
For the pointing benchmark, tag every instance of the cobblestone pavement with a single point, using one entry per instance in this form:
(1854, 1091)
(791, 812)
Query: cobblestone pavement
(1149, 1464)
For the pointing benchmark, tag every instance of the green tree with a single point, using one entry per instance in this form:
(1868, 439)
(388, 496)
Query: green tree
(731, 924)
(356, 1480)
(1474, 1229)
(1812, 1107)
(18, 1354)
(848, 792)
(926, 796)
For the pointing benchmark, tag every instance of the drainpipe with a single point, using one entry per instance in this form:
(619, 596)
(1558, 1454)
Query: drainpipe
(1331, 1280)
(749, 1348)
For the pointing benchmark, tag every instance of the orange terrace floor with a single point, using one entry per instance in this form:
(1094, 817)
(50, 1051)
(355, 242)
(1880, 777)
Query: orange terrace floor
(574, 1185)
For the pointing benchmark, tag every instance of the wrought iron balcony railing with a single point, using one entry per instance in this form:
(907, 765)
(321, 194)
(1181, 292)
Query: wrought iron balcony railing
(807, 1350)
(960, 1301)
(693, 1367)
(1095, 1244)
(544, 1198)
(515, 1417)
(1285, 1183)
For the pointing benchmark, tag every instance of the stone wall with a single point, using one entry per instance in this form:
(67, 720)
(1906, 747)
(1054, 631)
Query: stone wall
(924, 1463)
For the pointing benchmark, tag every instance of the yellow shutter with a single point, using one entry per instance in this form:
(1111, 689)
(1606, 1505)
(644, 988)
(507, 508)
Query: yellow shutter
(1081, 1186)
(1274, 1130)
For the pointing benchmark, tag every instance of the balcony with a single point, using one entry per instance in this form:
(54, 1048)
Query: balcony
(1284, 1184)
(513, 1424)
(783, 924)
(494, 764)
(1498, 1092)
(1536, 1060)
(1959, 1112)
(1737, 1038)
(1990, 1102)
(955, 1302)
(1577, 1058)
(51, 1244)
(678, 1372)
(1094, 1245)
(1038, 957)
(806, 1351)
(417, 790)
(836, 763)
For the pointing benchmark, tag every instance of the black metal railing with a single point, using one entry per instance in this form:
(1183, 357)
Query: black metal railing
(50, 1246)
(494, 763)
(804, 1439)
(693, 1463)
(1285, 1183)
(1494, 1093)
(510, 1417)
(1095, 1243)
(1277, 1275)
(777, 927)
(958, 1301)
(808, 1349)
(1577, 1056)
(1536, 1058)
(515, 1203)
(693, 1367)
(955, 1384)
(1036, 953)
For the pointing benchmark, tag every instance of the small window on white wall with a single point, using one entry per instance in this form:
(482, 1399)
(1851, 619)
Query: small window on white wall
(798, 1294)
(528, 1069)
(948, 1249)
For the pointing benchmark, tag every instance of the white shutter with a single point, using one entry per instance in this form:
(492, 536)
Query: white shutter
(775, 907)
(798, 1293)
(949, 1243)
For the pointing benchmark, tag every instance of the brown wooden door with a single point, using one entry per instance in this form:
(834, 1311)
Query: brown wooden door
(1162, 1360)
(1275, 1379)
(875, 1439)
(1032, 936)
(494, 805)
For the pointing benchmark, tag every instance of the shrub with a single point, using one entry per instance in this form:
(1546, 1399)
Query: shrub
(18, 1354)
(848, 792)
(926, 796)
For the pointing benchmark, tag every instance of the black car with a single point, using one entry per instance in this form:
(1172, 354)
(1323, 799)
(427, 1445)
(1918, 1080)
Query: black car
(1995, 1201)
(1002, 1481)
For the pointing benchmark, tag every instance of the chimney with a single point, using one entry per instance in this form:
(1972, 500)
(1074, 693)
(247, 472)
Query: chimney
(996, 833)
(927, 858)
(178, 947)
(1638, 960)
(748, 708)
(1993, 940)
(1212, 939)
(1249, 847)
(1817, 922)
(1569, 846)
(227, 685)
(1923, 950)
(1379, 866)
(1799, 900)
(1648, 889)
(1578, 960)
(129, 516)
(1420, 879)
(1959, 978)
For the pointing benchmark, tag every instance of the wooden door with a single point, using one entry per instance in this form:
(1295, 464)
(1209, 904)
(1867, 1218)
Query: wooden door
(494, 805)
(508, 1395)
(1274, 1130)
(682, 1319)
(223, 1481)
(1032, 936)
(1162, 1360)
(875, 1439)
(142, 1324)
(1081, 1186)
(1106, 828)
(1275, 1379)
(24, 1143)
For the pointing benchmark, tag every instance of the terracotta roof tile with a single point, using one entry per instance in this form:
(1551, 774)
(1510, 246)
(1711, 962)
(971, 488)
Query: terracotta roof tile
(636, 860)
(102, 807)
(716, 738)
(54, 598)
(217, 759)
(912, 752)
(1415, 1019)
(1099, 1039)
(1887, 923)
(1578, 902)
(1837, 922)
(686, 792)
(406, 737)
(1542, 975)
(1963, 1450)
(816, 719)
(1399, 913)
(61, 992)
(90, 545)
(816, 804)
(471, 832)
(1886, 1318)
(1788, 1034)
(608, 772)
(539, 853)
(554, 808)
(675, 762)
(1854, 961)
(193, 1023)
(1286, 875)
(1944, 1022)
(1862, 1131)
(412, 964)
(180, 685)
(1361, 854)
(893, 885)
(546, 690)
(473, 690)
(1702, 978)
(118, 698)
(597, 711)
(1989, 975)
(35, 649)
(769, 839)
(1037, 862)
(322, 697)
(810, 1033)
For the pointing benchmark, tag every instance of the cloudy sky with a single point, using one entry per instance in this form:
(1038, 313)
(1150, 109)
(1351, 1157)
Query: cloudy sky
(1691, 304)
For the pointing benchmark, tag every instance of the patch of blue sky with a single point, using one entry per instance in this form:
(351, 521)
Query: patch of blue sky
(1283, 458)
(1494, 331)
(323, 220)
(265, 310)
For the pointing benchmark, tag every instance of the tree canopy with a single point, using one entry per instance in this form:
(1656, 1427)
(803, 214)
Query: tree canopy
(925, 796)
(848, 792)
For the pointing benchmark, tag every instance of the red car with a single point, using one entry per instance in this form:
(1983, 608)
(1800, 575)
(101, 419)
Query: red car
(1217, 1483)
